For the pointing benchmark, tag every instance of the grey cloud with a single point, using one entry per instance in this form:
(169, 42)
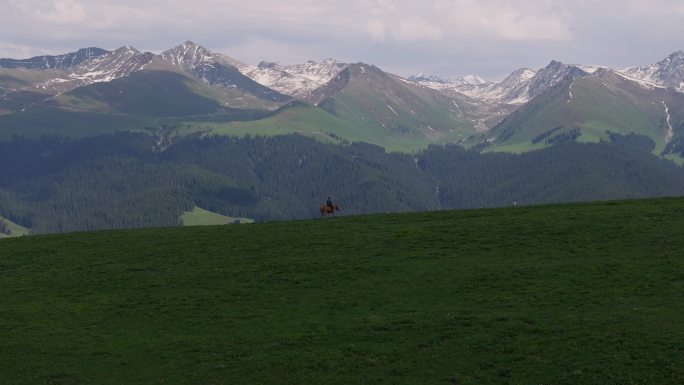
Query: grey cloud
(450, 37)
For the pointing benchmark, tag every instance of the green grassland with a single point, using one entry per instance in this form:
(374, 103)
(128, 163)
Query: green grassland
(305, 120)
(299, 118)
(562, 294)
(201, 217)
(150, 93)
(144, 99)
(43, 120)
(352, 115)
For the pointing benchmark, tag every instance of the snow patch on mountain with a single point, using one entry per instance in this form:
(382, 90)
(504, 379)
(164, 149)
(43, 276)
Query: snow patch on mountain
(668, 120)
(512, 90)
(470, 85)
(189, 56)
(570, 91)
(474, 80)
(110, 66)
(590, 69)
(295, 80)
(641, 81)
(518, 88)
(668, 72)
(54, 62)
(114, 65)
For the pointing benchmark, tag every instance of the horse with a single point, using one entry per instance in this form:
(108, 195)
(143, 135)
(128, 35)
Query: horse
(327, 210)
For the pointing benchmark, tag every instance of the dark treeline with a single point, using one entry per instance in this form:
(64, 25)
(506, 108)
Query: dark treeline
(118, 181)
(566, 172)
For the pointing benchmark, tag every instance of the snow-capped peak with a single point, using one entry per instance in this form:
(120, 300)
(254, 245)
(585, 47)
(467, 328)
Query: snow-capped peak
(100, 68)
(590, 69)
(424, 77)
(518, 88)
(188, 55)
(192, 57)
(470, 85)
(296, 79)
(471, 79)
(668, 72)
(474, 80)
(64, 61)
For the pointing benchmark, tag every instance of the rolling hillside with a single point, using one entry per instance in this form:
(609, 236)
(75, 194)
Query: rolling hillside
(146, 93)
(589, 109)
(11, 229)
(363, 103)
(574, 294)
(365, 96)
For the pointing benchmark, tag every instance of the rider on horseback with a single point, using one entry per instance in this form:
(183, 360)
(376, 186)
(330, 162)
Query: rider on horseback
(329, 208)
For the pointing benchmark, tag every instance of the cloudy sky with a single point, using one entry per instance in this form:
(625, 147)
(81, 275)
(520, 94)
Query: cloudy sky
(447, 37)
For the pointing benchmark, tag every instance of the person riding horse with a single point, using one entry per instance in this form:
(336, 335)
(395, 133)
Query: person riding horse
(329, 208)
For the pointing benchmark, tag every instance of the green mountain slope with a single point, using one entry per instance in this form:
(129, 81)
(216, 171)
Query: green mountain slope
(362, 104)
(18, 88)
(589, 109)
(366, 104)
(369, 97)
(579, 294)
(41, 120)
(138, 102)
(312, 121)
(148, 93)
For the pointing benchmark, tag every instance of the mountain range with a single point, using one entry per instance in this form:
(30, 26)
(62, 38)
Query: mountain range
(189, 89)
(106, 139)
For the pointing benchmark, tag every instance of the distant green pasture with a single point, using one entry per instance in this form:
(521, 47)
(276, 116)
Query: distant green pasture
(201, 217)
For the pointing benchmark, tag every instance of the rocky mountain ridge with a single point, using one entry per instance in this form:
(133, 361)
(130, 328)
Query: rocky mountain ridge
(297, 80)
(524, 84)
(54, 61)
(668, 72)
(354, 99)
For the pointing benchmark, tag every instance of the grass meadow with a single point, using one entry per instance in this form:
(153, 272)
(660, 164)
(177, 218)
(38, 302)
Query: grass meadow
(560, 294)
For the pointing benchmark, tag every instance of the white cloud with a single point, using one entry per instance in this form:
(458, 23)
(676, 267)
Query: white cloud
(519, 20)
(415, 29)
(22, 51)
(376, 29)
(381, 20)
(435, 31)
(654, 7)
(254, 49)
(56, 11)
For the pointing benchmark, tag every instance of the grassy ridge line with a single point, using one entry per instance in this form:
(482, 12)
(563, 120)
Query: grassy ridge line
(571, 294)
(15, 229)
(201, 217)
